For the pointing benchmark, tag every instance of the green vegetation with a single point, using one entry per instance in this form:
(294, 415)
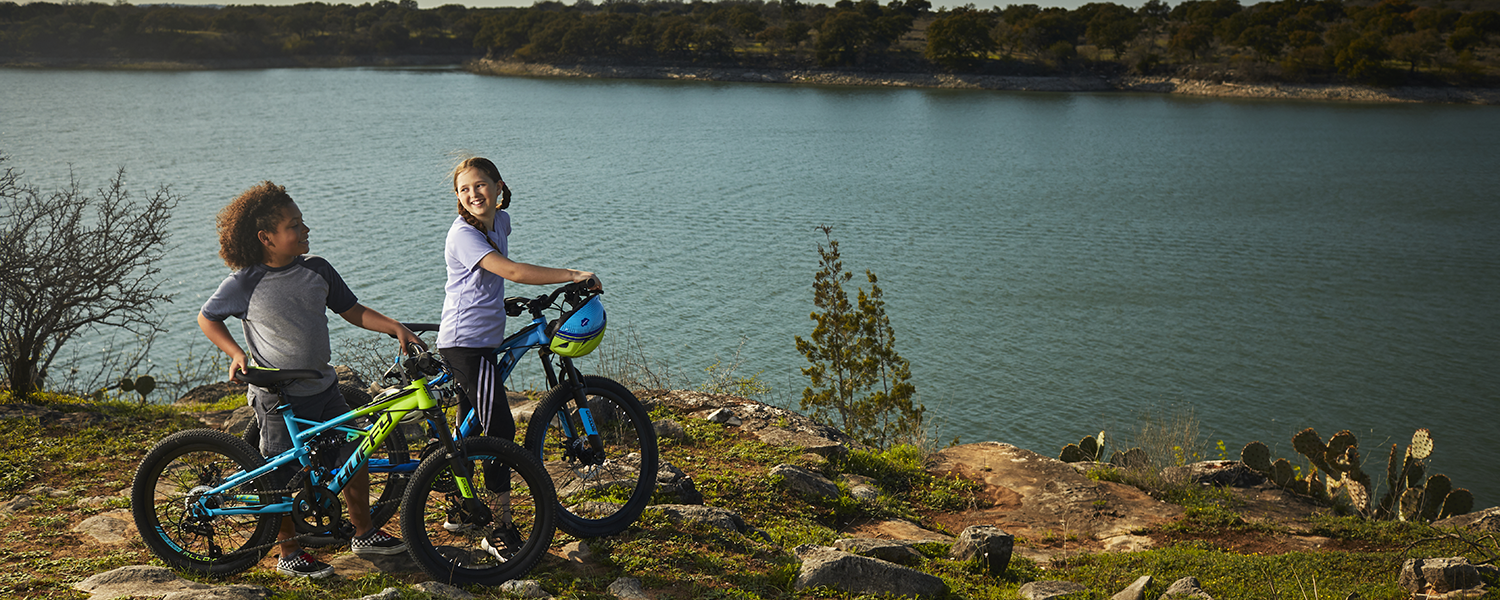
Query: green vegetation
(43, 557)
(76, 262)
(1430, 42)
(859, 383)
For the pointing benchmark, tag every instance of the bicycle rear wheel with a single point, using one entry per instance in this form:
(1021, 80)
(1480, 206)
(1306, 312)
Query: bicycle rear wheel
(454, 548)
(169, 487)
(599, 494)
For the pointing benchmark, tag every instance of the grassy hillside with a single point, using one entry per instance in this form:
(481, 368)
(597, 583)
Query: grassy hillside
(90, 456)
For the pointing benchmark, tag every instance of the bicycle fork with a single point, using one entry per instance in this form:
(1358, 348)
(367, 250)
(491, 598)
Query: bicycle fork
(589, 448)
(477, 513)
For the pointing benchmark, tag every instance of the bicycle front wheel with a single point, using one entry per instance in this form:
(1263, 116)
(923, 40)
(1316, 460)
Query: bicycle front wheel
(600, 493)
(168, 495)
(457, 547)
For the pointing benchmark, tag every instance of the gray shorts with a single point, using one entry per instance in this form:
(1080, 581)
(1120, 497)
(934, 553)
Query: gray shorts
(274, 437)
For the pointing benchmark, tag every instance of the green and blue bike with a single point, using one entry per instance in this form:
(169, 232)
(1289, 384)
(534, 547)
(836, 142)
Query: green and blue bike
(206, 501)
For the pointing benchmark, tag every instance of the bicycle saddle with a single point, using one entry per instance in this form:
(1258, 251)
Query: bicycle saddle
(271, 377)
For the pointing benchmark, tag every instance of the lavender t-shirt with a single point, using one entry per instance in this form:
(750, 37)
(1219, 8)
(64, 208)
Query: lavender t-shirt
(473, 299)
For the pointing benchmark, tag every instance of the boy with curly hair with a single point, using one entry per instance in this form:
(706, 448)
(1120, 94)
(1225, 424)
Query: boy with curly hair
(280, 293)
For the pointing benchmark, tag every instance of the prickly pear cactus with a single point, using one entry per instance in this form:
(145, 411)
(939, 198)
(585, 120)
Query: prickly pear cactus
(1258, 457)
(1393, 466)
(1337, 446)
(1309, 444)
(1357, 487)
(1438, 487)
(1282, 473)
(144, 384)
(1458, 502)
(1410, 507)
(127, 384)
(1090, 448)
(1135, 458)
(1071, 453)
(1421, 444)
(1415, 472)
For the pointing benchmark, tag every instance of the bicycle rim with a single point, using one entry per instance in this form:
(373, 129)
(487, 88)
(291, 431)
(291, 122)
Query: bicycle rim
(449, 546)
(170, 482)
(598, 496)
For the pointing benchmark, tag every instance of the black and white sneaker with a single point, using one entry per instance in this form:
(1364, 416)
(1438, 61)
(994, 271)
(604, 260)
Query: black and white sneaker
(377, 542)
(303, 564)
(454, 523)
(504, 543)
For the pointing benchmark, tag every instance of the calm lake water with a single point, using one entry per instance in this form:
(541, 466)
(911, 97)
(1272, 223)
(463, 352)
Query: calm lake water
(1054, 264)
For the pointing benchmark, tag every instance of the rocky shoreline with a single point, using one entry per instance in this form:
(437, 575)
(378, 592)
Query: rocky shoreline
(1076, 83)
(1160, 85)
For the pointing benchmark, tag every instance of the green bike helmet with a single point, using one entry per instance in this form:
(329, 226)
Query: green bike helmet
(578, 332)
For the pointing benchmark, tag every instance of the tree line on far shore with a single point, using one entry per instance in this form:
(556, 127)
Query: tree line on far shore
(1385, 42)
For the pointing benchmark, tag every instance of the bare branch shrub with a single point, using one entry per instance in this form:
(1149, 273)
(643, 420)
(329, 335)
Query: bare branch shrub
(75, 262)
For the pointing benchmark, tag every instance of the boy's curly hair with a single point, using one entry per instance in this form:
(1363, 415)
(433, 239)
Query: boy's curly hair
(257, 209)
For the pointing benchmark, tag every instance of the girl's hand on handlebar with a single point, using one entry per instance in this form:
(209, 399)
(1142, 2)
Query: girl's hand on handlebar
(587, 277)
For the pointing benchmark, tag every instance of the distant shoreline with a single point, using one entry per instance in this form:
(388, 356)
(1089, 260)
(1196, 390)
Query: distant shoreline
(1160, 85)
(1085, 83)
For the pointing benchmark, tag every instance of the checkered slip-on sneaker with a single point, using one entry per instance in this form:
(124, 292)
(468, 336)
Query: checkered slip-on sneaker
(377, 542)
(303, 564)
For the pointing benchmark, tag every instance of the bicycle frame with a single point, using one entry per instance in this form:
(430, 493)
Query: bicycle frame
(413, 397)
(507, 355)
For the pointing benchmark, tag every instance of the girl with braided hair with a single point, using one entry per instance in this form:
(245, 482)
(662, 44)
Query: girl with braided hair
(474, 300)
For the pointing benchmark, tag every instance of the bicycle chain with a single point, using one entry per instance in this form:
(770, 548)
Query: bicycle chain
(295, 538)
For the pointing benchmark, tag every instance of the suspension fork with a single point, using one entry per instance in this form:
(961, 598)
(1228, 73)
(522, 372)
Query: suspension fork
(480, 514)
(574, 380)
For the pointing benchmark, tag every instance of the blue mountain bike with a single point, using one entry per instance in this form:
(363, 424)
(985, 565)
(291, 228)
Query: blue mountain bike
(593, 436)
(207, 502)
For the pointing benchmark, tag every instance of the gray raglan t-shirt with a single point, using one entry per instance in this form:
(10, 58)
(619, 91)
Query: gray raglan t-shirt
(282, 311)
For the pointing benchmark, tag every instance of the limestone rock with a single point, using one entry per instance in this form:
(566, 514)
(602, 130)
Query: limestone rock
(1033, 494)
(352, 565)
(222, 592)
(524, 589)
(896, 529)
(775, 426)
(136, 580)
(713, 516)
(443, 590)
(1047, 590)
(1221, 473)
(862, 488)
(672, 481)
(990, 544)
(1135, 591)
(1487, 520)
(42, 491)
(628, 588)
(898, 552)
(211, 393)
(239, 419)
(17, 504)
(725, 416)
(1438, 575)
(805, 482)
(114, 527)
(389, 593)
(669, 428)
(826, 567)
(1185, 589)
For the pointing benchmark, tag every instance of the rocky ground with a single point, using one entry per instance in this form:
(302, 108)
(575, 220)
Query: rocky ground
(1022, 502)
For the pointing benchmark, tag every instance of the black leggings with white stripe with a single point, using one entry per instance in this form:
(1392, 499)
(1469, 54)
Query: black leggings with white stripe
(481, 389)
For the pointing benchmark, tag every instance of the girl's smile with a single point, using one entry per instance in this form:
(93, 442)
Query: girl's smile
(478, 193)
